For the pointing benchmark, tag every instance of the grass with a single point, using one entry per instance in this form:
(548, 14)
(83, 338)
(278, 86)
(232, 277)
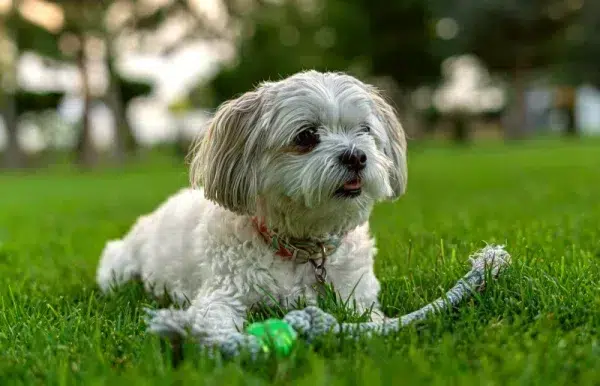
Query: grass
(538, 324)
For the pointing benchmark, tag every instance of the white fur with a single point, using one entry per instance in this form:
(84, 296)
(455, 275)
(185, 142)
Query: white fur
(201, 244)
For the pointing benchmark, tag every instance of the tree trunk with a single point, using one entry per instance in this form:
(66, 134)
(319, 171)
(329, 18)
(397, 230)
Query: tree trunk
(86, 152)
(412, 120)
(113, 99)
(460, 128)
(515, 118)
(14, 157)
(125, 143)
(566, 102)
(571, 127)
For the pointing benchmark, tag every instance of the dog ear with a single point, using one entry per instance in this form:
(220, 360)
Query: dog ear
(396, 145)
(225, 157)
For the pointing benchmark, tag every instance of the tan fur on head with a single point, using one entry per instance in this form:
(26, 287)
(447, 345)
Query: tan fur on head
(224, 162)
(250, 149)
(396, 148)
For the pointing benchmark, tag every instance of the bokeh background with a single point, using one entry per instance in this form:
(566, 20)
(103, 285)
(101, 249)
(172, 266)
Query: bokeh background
(100, 100)
(92, 82)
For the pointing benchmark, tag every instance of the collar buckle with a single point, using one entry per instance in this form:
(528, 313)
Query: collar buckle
(300, 251)
(319, 268)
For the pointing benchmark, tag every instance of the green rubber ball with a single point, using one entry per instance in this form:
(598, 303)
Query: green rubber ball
(274, 334)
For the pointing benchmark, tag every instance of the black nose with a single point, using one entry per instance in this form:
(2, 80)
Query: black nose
(354, 159)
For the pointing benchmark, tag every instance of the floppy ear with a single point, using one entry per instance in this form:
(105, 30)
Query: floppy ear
(396, 147)
(224, 159)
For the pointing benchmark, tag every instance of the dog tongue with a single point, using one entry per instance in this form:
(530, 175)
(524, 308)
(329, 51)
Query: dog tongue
(353, 184)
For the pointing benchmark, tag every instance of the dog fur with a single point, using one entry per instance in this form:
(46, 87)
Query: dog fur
(201, 245)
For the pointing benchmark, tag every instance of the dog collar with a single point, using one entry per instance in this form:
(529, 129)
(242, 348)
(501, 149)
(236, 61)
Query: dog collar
(299, 250)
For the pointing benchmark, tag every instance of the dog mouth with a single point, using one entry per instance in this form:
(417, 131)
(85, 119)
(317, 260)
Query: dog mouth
(351, 188)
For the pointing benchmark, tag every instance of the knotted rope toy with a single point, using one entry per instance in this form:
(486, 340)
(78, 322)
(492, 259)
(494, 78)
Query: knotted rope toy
(278, 336)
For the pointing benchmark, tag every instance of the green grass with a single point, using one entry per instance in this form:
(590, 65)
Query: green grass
(538, 324)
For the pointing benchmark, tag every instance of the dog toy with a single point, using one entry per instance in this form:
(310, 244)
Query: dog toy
(274, 334)
(279, 336)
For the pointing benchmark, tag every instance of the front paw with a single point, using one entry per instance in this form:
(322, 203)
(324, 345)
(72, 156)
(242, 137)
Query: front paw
(168, 323)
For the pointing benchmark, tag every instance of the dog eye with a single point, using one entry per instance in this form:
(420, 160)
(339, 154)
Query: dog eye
(307, 138)
(365, 128)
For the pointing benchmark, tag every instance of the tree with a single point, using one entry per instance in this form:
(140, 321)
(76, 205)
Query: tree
(22, 35)
(89, 20)
(580, 59)
(512, 37)
(400, 41)
(365, 38)
(79, 19)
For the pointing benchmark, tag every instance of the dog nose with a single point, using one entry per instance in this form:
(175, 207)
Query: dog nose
(354, 159)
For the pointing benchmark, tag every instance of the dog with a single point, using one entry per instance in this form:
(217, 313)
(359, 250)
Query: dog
(283, 181)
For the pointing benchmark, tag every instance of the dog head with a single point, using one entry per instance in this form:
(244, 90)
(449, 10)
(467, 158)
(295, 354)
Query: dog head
(314, 149)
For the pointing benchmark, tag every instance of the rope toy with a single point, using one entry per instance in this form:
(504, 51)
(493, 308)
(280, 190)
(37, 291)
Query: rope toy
(278, 336)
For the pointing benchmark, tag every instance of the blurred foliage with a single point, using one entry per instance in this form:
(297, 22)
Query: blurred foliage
(27, 101)
(512, 34)
(363, 37)
(552, 40)
(580, 62)
(131, 89)
(522, 41)
(31, 37)
(399, 43)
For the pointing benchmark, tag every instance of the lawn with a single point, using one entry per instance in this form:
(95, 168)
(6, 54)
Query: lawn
(538, 324)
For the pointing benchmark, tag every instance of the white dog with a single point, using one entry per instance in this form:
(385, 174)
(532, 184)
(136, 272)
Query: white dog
(290, 173)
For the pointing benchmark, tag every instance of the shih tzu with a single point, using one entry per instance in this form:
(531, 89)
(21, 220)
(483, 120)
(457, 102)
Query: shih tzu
(284, 181)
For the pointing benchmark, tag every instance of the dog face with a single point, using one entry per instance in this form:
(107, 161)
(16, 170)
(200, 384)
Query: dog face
(314, 141)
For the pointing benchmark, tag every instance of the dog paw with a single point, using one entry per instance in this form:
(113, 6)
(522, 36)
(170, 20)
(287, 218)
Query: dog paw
(169, 323)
